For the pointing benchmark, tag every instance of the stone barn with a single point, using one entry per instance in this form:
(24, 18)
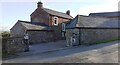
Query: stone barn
(87, 30)
(37, 32)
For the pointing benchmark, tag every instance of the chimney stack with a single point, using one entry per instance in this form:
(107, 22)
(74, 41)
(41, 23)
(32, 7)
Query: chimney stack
(68, 12)
(39, 4)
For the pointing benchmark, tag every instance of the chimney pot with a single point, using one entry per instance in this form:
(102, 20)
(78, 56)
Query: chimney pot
(68, 12)
(39, 4)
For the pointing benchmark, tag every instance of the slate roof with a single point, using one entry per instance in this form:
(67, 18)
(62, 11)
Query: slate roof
(87, 22)
(33, 26)
(53, 12)
(72, 23)
(106, 14)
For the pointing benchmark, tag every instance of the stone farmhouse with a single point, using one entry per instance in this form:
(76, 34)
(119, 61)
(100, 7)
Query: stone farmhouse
(46, 25)
(87, 30)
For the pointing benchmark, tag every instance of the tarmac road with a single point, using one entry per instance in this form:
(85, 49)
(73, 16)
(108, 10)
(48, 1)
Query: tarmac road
(101, 53)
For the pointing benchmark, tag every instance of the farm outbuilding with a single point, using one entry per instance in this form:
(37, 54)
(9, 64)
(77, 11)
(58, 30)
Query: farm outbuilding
(87, 30)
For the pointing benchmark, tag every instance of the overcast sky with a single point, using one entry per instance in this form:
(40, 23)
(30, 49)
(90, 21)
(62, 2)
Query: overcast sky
(13, 10)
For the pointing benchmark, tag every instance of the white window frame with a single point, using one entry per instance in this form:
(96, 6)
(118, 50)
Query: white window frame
(56, 18)
(63, 27)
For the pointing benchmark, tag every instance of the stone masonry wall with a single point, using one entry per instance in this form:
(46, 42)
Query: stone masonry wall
(69, 33)
(13, 45)
(18, 30)
(40, 16)
(90, 36)
(40, 36)
(57, 32)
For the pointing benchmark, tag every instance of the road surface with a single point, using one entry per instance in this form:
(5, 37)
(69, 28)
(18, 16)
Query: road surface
(101, 53)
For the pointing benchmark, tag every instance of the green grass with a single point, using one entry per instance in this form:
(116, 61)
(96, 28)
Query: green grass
(107, 40)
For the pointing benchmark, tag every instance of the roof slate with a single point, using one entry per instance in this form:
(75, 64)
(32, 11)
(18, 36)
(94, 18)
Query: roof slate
(106, 14)
(53, 12)
(72, 23)
(33, 26)
(91, 22)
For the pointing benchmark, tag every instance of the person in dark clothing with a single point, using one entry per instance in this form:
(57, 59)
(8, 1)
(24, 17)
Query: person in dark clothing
(26, 42)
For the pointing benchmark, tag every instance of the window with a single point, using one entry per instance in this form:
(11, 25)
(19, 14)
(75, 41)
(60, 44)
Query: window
(63, 27)
(55, 20)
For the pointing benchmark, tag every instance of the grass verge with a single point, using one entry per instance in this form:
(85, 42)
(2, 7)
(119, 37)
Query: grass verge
(107, 40)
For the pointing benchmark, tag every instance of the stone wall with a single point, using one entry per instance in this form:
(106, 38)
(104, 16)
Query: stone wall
(37, 36)
(13, 45)
(40, 36)
(40, 16)
(57, 32)
(18, 30)
(91, 36)
(69, 34)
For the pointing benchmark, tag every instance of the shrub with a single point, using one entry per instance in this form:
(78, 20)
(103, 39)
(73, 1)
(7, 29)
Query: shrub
(5, 34)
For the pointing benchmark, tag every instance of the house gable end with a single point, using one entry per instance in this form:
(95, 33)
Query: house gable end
(40, 16)
(16, 24)
(17, 30)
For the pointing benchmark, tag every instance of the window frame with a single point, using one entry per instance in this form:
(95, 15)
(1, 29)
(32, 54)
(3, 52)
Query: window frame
(63, 27)
(56, 18)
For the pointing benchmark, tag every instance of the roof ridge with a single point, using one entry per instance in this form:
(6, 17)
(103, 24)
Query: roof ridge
(23, 21)
(105, 12)
(57, 13)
